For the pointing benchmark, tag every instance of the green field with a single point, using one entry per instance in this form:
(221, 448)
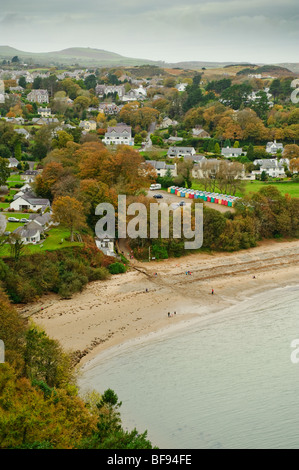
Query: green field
(287, 187)
(14, 179)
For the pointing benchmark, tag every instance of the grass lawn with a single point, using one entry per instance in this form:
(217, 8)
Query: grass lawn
(14, 179)
(287, 187)
(51, 243)
(4, 205)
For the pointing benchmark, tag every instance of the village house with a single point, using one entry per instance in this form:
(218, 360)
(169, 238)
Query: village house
(272, 167)
(231, 152)
(43, 121)
(29, 176)
(174, 152)
(166, 123)
(88, 126)
(29, 233)
(29, 202)
(133, 95)
(200, 132)
(109, 108)
(102, 90)
(13, 162)
(23, 132)
(120, 134)
(162, 168)
(44, 112)
(181, 86)
(273, 147)
(38, 96)
(106, 246)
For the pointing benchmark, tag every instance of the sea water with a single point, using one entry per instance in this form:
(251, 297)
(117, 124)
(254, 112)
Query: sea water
(224, 381)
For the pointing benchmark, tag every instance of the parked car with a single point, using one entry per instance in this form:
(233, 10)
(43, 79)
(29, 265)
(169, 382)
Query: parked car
(158, 196)
(13, 219)
(182, 203)
(24, 221)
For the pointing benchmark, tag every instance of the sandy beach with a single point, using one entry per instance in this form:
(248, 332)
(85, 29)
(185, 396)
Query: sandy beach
(109, 313)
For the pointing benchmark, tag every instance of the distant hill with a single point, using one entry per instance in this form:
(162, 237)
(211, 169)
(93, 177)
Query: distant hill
(89, 57)
(83, 56)
(272, 70)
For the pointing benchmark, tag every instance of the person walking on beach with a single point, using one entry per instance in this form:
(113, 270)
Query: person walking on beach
(212, 291)
(168, 314)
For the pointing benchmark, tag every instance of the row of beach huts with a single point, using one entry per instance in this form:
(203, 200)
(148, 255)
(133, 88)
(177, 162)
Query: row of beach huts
(215, 198)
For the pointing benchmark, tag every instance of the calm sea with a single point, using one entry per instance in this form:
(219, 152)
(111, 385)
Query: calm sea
(225, 381)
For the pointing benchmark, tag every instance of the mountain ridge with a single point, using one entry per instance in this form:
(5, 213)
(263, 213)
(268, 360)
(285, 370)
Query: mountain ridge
(87, 56)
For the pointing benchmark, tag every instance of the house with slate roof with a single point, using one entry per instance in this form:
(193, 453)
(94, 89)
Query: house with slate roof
(119, 135)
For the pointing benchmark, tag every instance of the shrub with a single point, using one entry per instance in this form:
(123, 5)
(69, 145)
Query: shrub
(116, 268)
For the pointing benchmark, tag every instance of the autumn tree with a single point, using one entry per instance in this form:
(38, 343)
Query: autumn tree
(291, 151)
(294, 165)
(69, 213)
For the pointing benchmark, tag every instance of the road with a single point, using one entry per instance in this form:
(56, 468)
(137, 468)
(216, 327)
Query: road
(173, 199)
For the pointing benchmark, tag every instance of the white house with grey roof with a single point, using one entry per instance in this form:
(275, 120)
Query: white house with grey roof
(271, 166)
(29, 233)
(29, 202)
(119, 135)
(162, 168)
(231, 152)
(174, 152)
(274, 147)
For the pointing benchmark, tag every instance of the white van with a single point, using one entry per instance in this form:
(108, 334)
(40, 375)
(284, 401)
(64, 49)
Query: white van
(153, 187)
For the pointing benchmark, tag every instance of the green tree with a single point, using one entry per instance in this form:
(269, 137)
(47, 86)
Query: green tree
(4, 171)
(250, 153)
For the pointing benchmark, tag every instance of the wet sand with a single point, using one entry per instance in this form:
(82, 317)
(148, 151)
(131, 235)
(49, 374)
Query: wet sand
(109, 313)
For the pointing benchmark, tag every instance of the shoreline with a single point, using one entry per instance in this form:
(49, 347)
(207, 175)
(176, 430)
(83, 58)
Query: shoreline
(113, 313)
(204, 319)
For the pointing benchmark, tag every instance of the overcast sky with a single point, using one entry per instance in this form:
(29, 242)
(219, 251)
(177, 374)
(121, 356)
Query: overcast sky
(171, 30)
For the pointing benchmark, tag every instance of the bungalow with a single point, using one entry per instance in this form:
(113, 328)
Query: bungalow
(43, 220)
(231, 152)
(119, 135)
(180, 152)
(27, 202)
(30, 233)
